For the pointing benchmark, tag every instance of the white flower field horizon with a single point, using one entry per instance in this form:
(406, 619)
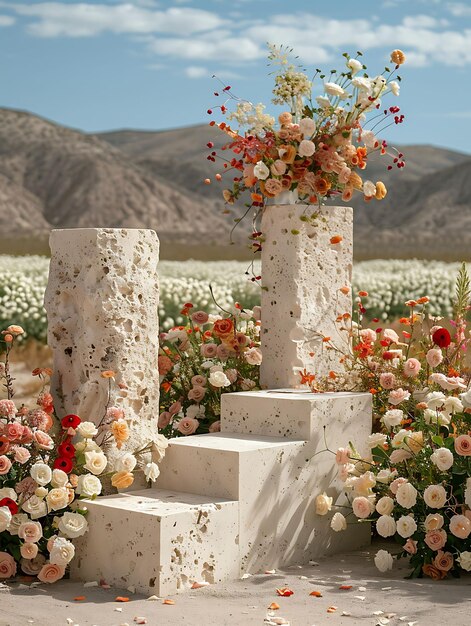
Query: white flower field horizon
(389, 284)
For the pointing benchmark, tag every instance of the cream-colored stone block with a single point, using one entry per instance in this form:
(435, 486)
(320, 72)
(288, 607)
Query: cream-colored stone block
(102, 304)
(158, 541)
(302, 275)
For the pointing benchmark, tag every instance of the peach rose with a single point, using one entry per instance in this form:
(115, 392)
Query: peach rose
(197, 394)
(198, 381)
(396, 396)
(460, 526)
(273, 187)
(278, 168)
(164, 364)
(434, 357)
(29, 550)
(434, 521)
(443, 561)
(433, 572)
(22, 454)
(187, 426)
(13, 431)
(122, 480)
(285, 118)
(208, 350)
(30, 532)
(51, 572)
(7, 565)
(387, 380)
(200, 317)
(5, 465)
(361, 507)
(120, 431)
(164, 419)
(215, 427)
(412, 368)
(410, 546)
(435, 539)
(43, 441)
(463, 445)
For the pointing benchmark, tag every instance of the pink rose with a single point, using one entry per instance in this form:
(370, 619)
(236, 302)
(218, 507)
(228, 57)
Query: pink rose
(199, 317)
(398, 456)
(361, 507)
(394, 486)
(342, 456)
(222, 352)
(208, 350)
(396, 396)
(434, 357)
(463, 445)
(43, 441)
(175, 408)
(460, 526)
(197, 394)
(22, 454)
(187, 426)
(7, 565)
(411, 368)
(198, 381)
(387, 380)
(164, 364)
(29, 550)
(410, 546)
(278, 167)
(27, 436)
(51, 572)
(435, 539)
(5, 465)
(391, 335)
(31, 532)
(13, 431)
(164, 419)
(215, 427)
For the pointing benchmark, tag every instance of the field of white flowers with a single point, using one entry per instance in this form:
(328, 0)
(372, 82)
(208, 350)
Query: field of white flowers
(389, 283)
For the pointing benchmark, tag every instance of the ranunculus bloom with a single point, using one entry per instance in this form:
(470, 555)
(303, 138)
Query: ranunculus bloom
(443, 561)
(51, 572)
(434, 357)
(412, 368)
(120, 431)
(460, 526)
(463, 445)
(187, 426)
(436, 539)
(7, 566)
(441, 337)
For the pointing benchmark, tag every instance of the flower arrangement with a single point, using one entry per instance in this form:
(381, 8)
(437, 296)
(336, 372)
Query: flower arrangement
(203, 359)
(320, 145)
(48, 467)
(415, 481)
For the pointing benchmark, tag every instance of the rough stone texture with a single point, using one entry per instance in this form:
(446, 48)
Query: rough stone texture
(302, 275)
(158, 541)
(102, 304)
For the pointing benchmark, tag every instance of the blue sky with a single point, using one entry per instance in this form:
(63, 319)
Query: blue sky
(108, 64)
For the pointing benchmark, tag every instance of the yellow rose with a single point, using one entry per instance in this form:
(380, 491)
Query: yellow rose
(122, 480)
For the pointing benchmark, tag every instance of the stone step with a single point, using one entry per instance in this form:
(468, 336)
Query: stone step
(159, 541)
(292, 413)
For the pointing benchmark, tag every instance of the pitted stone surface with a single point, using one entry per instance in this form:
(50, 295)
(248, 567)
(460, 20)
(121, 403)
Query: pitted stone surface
(102, 305)
(302, 275)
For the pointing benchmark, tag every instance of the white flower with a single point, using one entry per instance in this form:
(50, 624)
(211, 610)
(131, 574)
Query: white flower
(386, 526)
(41, 473)
(8, 492)
(443, 458)
(88, 485)
(369, 138)
(160, 443)
(466, 398)
(406, 495)
(194, 411)
(399, 437)
(16, 521)
(73, 525)
(385, 505)
(36, 507)
(436, 399)
(464, 560)
(453, 405)
(261, 171)
(59, 478)
(385, 476)
(253, 356)
(323, 102)
(87, 445)
(395, 87)
(306, 148)
(125, 463)
(5, 518)
(206, 365)
(406, 526)
(369, 188)
(448, 382)
(307, 126)
(361, 83)
(435, 496)
(57, 498)
(87, 429)
(393, 417)
(95, 462)
(333, 89)
(323, 504)
(362, 507)
(62, 551)
(383, 561)
(355, 66)
(151, 471)
(219, 379)
(338, 522)
(377, 439)
(467, 493)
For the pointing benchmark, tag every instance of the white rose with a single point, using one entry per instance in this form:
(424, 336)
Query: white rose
(399, 437)
(369, 188)
(385, 476)
(464, 560)
(41, 492)
(395, 87)
(338, 522)
(95, 462)
(87, 445)
(393, 418)
(73, 525)
(219, 379)
(41, 473)
(385, 505)
(125, 463)
(5, 518)
(87, 429)
(160, 443)
(406, 526)
(16, 521)
(36, 507)
(62, 551)
(333, 89)
(57, 498)
(436, 399)
(306, 148)
(442, 458)
(453, 405)
(435, 496)
(8, 492)
(151, 471)
(253, 356)
(467, 493)
(466, 398)
(88, 485)
(406, 495)
(434, 521)
(59, 478)
(377, 439)
(383, 561)
(386, 526)
(323, 504)
(261, 171)
(362, 507)
(355, 66)
(307, 126)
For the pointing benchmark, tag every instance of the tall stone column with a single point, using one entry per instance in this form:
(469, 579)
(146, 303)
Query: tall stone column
(102, 305)
(306, 279)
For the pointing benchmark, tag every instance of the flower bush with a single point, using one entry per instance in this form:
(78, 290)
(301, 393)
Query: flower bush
(320, 146)
(208, 356)
(414, 483)
(48, 467)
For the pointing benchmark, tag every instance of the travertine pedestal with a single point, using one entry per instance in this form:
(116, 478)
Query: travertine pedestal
(302, 275)
(102, 305)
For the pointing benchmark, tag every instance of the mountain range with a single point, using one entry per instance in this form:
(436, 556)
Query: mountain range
(55, 177)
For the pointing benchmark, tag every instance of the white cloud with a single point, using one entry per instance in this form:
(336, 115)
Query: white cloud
(233, 50)
(196, 71)
(6, 20)
(458, 9)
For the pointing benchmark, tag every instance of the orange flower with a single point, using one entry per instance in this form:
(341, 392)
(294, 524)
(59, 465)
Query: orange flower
(287, 153)
(121, 599)
(398, 57)
(166, 386)
(223, 328)
(256, 197)
(345, 290)
(306, 377)
(361, 154)
(355, 181)
(423, 300)
(108, 374)
(381, 191)
(122, 480)
(120, 431)
(433, 572)
(274, 606)
(336, 239)
(363, 294)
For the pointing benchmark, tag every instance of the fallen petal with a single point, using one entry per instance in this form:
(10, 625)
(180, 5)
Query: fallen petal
(274, 606)
(198, 585)
(121, 599)
(331, 609)
(92, 583)
(168, 601)
(270, 571)
(79, 598)
(140, 620)
(285, 592)
(316, 594)
(153, 598)
(345, 587)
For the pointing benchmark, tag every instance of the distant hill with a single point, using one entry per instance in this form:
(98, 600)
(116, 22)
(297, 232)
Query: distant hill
(55, 177)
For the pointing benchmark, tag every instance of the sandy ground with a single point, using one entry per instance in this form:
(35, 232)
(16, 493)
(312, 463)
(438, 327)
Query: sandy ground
(419, 602)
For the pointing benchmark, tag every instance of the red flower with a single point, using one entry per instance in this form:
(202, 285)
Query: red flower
(11, 504)
(64, 463)
(441, 338)
(70, 421)
(66, 449)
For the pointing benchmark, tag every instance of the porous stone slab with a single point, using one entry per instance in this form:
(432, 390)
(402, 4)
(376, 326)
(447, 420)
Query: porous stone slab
(102, 307)
(302, 278)
(158, 541)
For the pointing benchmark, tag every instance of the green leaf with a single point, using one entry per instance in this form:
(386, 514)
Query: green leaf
(438, 440)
